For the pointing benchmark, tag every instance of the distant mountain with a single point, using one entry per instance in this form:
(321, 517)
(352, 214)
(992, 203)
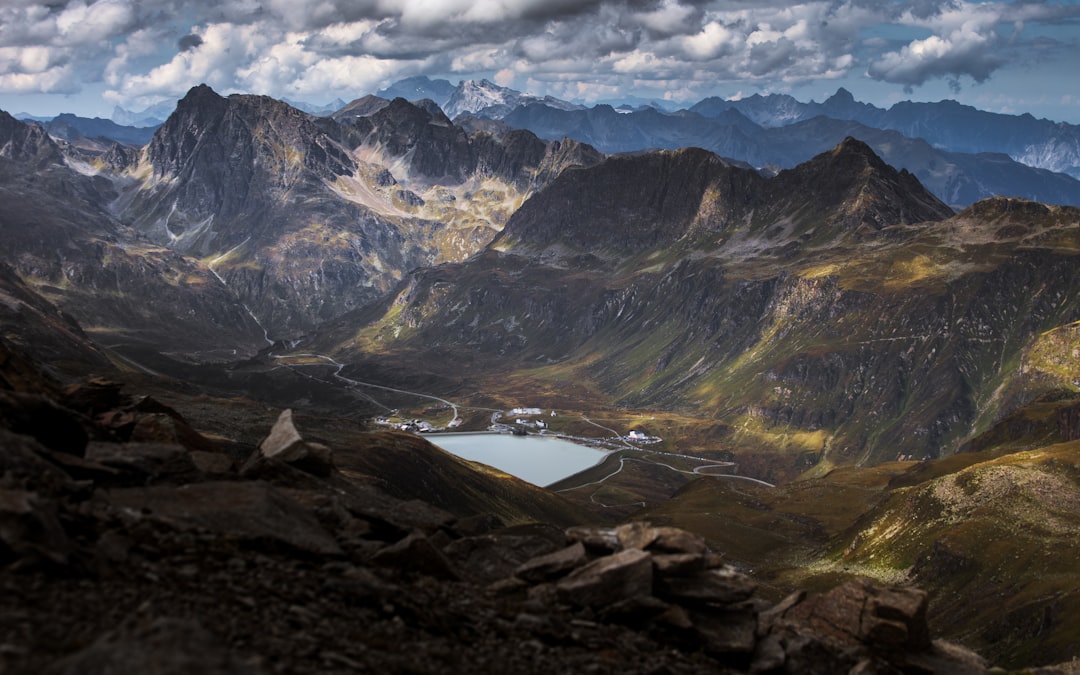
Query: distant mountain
(487, 99)
(612, 131)
(947, 125)
(314, 109)
(361, 107)
(27, 117)
(482, 98)
(153, 116)
(73, 129)
(27, 145)
(419, 87)
(958, 178)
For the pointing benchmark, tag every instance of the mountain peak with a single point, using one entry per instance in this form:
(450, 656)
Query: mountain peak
(200, 92)
(864, 190)
(23, 141)
(853, 146)
(841, 96)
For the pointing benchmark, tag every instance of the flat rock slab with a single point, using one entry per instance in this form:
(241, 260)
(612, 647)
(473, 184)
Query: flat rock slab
(639, 534)
(247, 510)
(623, 575)
(723, 586)
(552, 565)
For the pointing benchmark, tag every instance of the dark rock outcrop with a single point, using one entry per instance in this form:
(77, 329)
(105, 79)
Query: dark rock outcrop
(317, 573)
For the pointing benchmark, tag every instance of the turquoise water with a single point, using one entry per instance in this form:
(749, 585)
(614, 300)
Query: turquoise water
(540, 460)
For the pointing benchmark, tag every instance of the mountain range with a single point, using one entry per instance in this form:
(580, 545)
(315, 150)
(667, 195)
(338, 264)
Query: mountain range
(893, 381)
(962, 154)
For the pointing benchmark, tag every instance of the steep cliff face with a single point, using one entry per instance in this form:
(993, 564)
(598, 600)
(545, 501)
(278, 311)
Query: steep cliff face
(59, 234)
(304, 219)
(230, 162)
(27, 143)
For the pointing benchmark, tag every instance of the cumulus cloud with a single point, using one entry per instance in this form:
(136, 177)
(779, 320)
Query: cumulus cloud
(967, 40)
(962, 52)
(147, 49)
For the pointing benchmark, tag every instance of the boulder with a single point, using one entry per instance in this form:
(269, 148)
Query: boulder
(23, 465)
(861, 612)
(721, 586)
(94, 396)
(678, 564)
(212, 462)
(285, 444)
(608, 580)
(642, 535)
(637, 611)
(599, 540)
(553, 565)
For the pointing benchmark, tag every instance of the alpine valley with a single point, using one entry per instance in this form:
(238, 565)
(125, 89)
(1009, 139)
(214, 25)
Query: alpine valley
(849, 353)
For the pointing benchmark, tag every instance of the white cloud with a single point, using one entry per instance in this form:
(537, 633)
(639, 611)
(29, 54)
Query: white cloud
(146, 49)
(964, 51)
(54, 80)
(81, 23)
(714, 40)
(226, 50)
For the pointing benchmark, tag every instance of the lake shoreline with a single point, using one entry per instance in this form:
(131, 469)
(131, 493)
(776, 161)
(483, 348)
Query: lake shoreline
(557, 459)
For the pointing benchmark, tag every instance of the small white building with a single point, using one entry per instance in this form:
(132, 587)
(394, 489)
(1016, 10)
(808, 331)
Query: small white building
(526, 411)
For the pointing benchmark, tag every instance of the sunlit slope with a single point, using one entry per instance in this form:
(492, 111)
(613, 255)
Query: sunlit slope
(993, 534)
(836, 314)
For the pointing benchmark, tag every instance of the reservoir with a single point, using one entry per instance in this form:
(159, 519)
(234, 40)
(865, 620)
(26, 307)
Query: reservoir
(540, 460)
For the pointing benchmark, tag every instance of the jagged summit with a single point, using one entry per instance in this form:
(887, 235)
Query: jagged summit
(234, 152)
(634, 203)
(842, 95)
(859, 190)
(27, 142)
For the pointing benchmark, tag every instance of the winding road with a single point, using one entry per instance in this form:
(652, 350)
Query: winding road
(357, 383)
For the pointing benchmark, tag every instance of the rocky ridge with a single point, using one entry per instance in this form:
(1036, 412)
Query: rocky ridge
(305, 218)
(273, 219)
(130, 541)
(806, 312)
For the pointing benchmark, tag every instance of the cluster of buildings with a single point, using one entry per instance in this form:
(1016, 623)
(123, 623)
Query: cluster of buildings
(416, 425)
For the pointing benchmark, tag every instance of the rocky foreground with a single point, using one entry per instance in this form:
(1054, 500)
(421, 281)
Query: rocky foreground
(131, 543)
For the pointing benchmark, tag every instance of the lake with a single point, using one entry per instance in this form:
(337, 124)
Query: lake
(540, 460)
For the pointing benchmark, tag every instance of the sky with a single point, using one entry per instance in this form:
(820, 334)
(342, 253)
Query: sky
(87, 56)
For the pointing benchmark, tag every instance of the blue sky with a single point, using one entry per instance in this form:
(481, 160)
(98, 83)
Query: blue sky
(86, 56)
